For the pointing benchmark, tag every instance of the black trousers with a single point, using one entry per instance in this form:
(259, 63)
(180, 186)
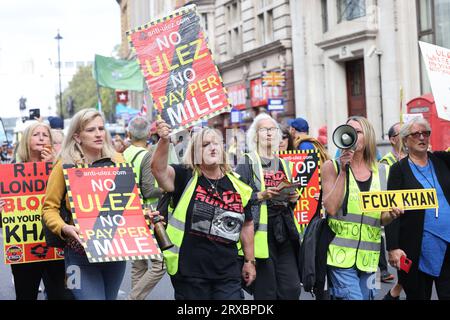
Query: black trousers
(382, 263)
(190, 288)
(277, 277)
(27, 277)
(425, 287)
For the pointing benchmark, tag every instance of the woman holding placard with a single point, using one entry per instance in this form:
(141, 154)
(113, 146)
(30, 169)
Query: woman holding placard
(277, 233)
(419, 240)
(27, 276)
(86, 142)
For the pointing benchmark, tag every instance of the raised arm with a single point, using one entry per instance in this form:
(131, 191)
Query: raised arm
(163, 173)
(333, 185)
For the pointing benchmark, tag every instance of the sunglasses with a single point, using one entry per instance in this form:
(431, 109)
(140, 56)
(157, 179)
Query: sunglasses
(417, 134)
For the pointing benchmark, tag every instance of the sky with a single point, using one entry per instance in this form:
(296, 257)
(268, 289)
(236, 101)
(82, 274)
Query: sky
(28, 49)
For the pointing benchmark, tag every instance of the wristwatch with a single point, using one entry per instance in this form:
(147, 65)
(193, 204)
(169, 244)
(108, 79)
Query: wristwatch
(253, 261)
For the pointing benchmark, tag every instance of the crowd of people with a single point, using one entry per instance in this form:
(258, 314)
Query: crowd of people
(231, 229)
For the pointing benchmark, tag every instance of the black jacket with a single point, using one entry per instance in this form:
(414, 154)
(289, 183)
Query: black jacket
(406, 232)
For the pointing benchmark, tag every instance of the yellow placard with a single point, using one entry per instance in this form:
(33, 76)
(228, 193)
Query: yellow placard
(404, 199)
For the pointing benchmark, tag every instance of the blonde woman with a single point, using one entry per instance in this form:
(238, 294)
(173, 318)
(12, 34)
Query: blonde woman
(27, 276)
(211, 215)
(353, 254)
(87, 142)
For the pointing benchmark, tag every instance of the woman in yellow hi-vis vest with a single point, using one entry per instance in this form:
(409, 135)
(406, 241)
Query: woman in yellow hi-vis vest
(354, 252)
(211, 216)
(277, 236)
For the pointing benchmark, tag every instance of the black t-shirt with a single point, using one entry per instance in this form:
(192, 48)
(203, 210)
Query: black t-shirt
(213, 223)
(364, 186)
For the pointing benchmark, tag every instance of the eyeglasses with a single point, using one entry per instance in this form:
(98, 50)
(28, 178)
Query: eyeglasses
(417, 134)
(267, 130)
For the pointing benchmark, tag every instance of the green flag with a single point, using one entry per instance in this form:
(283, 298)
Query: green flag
(117, 74)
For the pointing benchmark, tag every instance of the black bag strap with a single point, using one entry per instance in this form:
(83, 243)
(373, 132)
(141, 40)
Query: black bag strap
(136, 155)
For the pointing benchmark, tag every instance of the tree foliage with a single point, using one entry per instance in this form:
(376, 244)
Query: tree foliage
(83, 90)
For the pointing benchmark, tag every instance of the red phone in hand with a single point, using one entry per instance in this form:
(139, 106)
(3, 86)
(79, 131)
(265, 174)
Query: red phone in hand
(405, 264)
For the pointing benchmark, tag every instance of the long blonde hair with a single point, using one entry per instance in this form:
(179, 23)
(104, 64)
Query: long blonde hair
(71, 152)
(194, 155)
(370, 149)
(23, 150)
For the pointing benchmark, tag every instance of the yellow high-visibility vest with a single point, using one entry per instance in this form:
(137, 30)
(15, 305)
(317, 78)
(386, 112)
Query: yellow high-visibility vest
(358, 235)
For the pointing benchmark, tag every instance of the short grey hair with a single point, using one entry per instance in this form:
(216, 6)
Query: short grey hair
(406, 128)
(252, 133)
(139, 128)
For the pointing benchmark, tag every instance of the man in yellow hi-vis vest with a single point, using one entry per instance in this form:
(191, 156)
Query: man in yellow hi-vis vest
(210, 222)
(353, 254)
(143, 278)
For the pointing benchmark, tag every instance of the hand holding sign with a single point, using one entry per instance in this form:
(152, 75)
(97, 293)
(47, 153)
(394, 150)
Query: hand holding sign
(163, 129)
(71, 232)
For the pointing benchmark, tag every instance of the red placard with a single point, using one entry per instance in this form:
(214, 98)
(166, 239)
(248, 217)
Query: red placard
(260, 94)
(107, 209)
(22, 186)
(307, 172)
(238, 96)
(179, 70)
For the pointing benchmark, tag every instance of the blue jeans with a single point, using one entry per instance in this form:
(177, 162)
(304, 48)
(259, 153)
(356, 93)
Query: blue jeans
(92, 281)
(351, 284)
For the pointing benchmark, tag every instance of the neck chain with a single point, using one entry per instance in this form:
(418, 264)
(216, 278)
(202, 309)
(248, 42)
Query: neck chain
(213, 185)
(430, 168)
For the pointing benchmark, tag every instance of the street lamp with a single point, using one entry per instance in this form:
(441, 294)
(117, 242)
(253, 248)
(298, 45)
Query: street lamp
(58, 38)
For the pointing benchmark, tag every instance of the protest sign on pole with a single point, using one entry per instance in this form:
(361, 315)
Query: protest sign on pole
(437, 63)
(22, 186)
(179, 70)
(107, 209)
(306, 171)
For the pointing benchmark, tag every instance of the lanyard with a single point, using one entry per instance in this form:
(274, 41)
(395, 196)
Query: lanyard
(431, 169)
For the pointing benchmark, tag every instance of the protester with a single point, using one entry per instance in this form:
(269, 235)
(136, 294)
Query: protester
(286, 143)
(87, 142)
(422, 235)
(277, 235)
(299, 129)
(58, 138)
(143, 278)
(119, 144)
(398, 151)
(27, 276)
(56, 123)
(211, 215)
(3, 154)
(353, 254)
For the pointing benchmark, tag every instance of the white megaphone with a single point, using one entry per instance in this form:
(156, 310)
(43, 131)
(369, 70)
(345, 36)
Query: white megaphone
(345, 137)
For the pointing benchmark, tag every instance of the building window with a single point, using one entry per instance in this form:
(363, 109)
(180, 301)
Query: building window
(324, 4)
(234, 27)
(425, 25)
(204, 21)
(264, 21)
(351, 9)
